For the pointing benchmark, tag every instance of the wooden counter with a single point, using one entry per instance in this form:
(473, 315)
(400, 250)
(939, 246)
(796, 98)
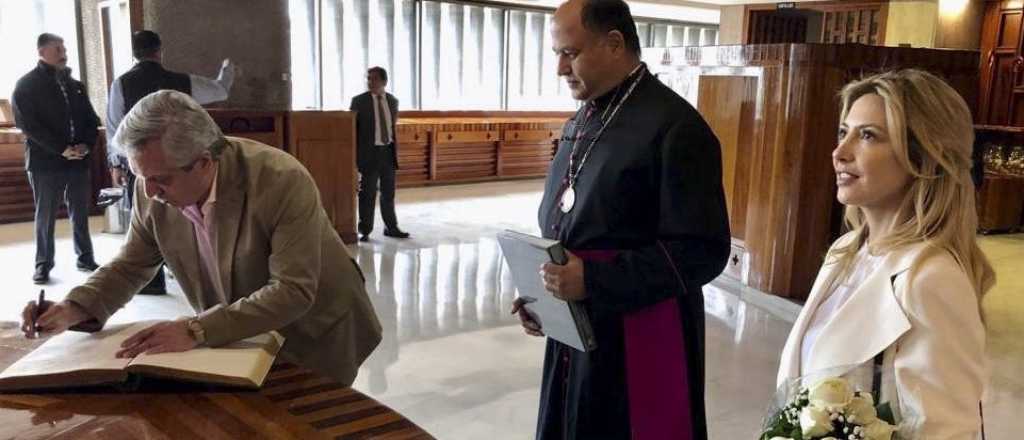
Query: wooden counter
(456, 149)
(776, 111)
(294, 403)
(16, 202)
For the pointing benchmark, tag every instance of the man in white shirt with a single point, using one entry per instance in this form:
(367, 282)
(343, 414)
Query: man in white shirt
(148, 76)
(376, 153)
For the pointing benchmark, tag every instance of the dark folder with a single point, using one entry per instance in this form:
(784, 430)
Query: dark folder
(564, 321)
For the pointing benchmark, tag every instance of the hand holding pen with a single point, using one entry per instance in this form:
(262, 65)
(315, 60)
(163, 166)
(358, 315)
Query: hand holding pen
(42, 316)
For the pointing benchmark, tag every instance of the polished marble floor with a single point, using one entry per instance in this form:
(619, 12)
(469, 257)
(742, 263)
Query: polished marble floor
(455, 362)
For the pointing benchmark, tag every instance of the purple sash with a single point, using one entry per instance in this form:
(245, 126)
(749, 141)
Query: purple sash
(656, 372)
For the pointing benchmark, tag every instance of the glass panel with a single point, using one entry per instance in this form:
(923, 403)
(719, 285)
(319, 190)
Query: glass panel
(463, 57)
(533, 67)
(439, 55)
(120, 30)
(305, 74)
(660, 32)
(350, 29)
(643, 31)
(21, 22)
(676, 36)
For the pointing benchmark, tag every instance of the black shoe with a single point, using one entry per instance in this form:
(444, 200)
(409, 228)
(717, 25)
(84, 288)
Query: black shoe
(396, 233)
(87, 266)
(42, 275)
(364, 237)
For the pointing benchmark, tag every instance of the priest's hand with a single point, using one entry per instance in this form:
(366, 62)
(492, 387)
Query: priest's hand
(51, 318)
(530, 325)
(565, 281)
(162, 337)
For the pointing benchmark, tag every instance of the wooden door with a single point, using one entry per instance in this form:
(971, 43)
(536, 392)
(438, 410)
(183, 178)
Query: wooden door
(728, 104)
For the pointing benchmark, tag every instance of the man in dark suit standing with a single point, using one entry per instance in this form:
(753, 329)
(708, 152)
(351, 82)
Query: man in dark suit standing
(60, 127)
(376, 153)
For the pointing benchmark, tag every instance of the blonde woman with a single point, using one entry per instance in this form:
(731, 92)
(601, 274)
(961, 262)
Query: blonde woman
(903, 288)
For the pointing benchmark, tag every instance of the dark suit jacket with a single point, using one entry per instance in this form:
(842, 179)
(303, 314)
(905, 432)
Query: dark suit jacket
(42, 115)
(363, 106)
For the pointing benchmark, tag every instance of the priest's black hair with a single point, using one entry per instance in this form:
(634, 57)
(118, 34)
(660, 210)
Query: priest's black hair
(603, 16)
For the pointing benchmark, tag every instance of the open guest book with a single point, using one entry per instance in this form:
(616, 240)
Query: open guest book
(563, 321)
(73, 359)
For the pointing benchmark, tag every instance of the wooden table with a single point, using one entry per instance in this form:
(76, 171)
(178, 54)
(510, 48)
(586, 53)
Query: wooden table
(294, 403)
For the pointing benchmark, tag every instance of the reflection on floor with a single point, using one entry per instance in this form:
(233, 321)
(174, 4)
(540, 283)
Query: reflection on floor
(455, 362)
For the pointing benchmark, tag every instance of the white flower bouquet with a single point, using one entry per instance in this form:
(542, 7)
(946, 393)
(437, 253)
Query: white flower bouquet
(831, 409)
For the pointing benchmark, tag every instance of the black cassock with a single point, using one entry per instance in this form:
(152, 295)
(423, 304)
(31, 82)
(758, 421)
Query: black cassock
(652, 191)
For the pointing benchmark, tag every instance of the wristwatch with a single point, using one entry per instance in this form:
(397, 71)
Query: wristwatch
(195, 329)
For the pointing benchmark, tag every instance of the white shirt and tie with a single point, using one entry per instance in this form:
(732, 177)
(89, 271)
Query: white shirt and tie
(382, 120)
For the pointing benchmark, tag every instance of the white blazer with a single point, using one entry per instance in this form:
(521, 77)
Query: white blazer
(926, 319)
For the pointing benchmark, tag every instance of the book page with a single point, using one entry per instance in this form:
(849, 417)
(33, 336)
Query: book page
(71, 352)
(242, 363)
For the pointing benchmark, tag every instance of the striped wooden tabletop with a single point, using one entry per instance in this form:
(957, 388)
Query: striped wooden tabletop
(294, 403)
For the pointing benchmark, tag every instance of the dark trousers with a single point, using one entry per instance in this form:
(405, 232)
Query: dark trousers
(158, 282)
(49, 188)
(382, 169)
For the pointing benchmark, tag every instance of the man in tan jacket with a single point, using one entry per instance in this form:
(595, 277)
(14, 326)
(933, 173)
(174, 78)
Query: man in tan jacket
(241, 225)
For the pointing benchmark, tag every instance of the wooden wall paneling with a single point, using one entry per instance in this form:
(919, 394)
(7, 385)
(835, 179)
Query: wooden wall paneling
(988, 43)
(467, 151)
(813, 228)
(432, 154)
(526, 151)
(766, 236)
(413, 155)
(16, 201)
(726, 102)
(843, 21)
(745, 144)
(1000, 203)
(759, 232)
(325, 142)
(1001, 65)
(457, 149)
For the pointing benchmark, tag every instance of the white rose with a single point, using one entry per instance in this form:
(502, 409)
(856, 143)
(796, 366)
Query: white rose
(862, 409)
(781, 438)
(814, 422)
(880, 430)
(831, 393)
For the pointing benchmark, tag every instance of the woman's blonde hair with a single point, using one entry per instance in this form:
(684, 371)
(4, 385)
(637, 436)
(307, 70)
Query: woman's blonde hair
(932, 135)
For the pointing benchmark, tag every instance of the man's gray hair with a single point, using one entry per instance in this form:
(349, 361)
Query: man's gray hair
(183, 128)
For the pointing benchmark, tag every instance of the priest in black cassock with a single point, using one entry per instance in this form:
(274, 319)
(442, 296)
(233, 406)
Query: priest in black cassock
(635, 193)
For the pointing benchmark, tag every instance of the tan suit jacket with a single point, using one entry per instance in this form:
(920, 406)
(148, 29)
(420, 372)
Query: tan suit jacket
(920, 309)
(282, 265)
